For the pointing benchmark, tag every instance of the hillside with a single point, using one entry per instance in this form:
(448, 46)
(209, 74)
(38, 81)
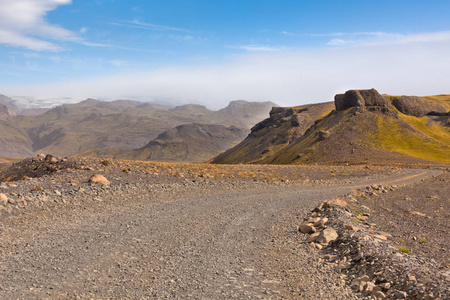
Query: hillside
(189, 142)
(363, 127)
(123, 124)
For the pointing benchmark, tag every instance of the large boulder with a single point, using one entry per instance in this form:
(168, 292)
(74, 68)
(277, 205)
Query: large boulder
(415, 106)
(353, 98)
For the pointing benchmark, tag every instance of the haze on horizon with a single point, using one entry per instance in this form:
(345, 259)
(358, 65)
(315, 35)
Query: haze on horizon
(211, 52)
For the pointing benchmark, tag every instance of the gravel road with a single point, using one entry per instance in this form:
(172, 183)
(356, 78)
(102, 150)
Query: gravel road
(137, 242)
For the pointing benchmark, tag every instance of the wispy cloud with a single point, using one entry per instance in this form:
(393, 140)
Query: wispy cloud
(392, 39)
(259, 48)
(341, 34)
(147, 26)
(23, 24)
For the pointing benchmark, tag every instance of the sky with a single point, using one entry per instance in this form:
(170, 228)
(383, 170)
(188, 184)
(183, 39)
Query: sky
(209, 52)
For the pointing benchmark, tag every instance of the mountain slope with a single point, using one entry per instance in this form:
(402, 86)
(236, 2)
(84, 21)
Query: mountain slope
(189, 142)
(284, 126)
(365, 127)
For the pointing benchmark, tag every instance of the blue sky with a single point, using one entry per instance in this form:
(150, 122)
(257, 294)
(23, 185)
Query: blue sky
(211, 52)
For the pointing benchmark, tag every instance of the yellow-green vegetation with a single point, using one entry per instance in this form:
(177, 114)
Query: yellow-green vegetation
(427, 142)
(431, 129)
(403, 249)
(443, 99)
(423, 241)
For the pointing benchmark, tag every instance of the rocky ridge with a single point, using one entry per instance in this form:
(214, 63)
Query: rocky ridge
(362, 126)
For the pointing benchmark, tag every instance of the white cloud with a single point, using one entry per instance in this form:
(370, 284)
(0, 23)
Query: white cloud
(417, 66)
(337, 42)
(23, 24)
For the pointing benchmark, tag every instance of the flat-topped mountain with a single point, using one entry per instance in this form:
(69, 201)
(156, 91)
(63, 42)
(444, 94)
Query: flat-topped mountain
(361, 126)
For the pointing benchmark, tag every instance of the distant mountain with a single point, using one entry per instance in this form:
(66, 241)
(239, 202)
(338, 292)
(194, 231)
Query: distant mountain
(189, 142)
(123, 124)
(7, 107)
(361, 126)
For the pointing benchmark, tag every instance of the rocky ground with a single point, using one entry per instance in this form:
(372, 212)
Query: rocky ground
(389, 241)
(165, 230)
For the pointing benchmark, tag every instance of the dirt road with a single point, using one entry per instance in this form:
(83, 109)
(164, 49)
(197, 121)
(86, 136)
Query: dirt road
(210, 243)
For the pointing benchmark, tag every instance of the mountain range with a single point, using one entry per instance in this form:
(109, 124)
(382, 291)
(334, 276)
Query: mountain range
(70, 129)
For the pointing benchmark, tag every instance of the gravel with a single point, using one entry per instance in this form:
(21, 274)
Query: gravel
(161, 236)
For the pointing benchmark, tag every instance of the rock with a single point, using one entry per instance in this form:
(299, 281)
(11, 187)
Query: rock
(323, 135)
(317, 246)
(360, 98)
(358, 285)
(40, 155)
(37, 188)
(379, 237)
(327, 235)
(312, 237)
(321, 222)
(400, 295)
(418, 213)
(378, 295)
(307, 228)
(363, 278)
(370, 286)
(313, 220)
(100, 179)
(415, 106)
(362, 218)
(350, 226)
(337, 202)
(3, 198)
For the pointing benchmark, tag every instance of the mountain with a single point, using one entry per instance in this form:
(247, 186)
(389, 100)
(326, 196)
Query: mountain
(7, 107)
(363, 127)
(189, 142)
(123, 124)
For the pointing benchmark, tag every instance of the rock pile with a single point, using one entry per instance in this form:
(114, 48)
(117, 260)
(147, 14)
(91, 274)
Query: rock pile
(320, 235)
(371, 264)
(39, 166)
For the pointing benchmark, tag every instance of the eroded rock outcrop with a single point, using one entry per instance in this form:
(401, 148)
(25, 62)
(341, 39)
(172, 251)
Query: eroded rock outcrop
(353, 98)
(415, 106)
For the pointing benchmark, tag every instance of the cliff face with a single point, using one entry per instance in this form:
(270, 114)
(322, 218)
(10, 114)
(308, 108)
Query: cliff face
(360, 126)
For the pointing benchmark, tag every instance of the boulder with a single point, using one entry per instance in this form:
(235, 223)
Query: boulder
(327, 235)
(357, 98)
(99, 179)
(415, 106)
(307, 228)
(336, 202)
